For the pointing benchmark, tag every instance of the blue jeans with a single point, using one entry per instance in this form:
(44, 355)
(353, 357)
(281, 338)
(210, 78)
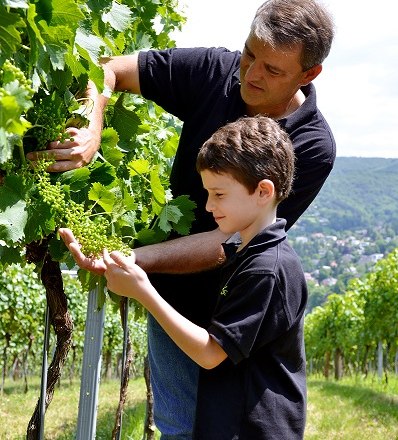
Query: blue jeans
(174, 380)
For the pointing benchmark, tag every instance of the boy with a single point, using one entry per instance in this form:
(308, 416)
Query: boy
(252, 382)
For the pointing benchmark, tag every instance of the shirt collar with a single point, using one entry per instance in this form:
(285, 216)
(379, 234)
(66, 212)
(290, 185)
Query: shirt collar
(268, 237)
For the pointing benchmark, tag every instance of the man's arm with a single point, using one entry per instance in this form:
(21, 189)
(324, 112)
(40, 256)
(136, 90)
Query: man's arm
(193, 253)
(120, 74)
(189, 254)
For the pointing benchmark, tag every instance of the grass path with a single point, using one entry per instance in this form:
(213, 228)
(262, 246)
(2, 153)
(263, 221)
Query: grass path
(347, 410)
(352, 411)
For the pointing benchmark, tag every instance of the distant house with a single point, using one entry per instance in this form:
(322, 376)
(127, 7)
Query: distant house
(370, 259)
(329, 281)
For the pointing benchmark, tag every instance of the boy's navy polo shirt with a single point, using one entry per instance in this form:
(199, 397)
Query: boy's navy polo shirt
(201, 87)
(259, 391)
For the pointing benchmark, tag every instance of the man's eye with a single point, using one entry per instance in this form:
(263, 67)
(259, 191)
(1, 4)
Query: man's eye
(272, 71)
(248, 54)
(219, 195)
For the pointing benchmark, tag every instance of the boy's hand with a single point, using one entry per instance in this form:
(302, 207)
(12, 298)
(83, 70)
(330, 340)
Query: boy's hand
(96, 266)
(124, 277)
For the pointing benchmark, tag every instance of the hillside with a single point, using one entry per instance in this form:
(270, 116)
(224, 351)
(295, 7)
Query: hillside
(360, 193)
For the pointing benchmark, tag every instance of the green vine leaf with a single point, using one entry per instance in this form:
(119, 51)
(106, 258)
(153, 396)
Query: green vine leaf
(60, 13)
(124, 121)
(103, 196)
(119, 17)
(102, 172)
(186, 207)
(13, 216)
(139, 167)
(10, 37)
(109, 146)
(75, 179)
(169, 214)
(158, 192)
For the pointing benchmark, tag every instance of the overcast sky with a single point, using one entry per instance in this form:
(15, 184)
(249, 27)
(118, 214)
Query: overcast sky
(358, 88)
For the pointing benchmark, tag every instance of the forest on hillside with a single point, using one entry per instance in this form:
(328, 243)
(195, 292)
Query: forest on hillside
(360, 193)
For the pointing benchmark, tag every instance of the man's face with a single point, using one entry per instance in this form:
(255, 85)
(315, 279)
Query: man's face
(270, 78)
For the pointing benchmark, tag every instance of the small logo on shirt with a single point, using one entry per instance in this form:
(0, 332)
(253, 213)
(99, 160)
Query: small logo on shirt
(224, 291)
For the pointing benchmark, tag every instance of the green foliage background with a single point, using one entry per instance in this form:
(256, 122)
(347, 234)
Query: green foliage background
(56, 45)
(53, 48)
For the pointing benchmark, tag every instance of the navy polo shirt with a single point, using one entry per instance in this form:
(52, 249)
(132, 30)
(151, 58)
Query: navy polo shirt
(259, 391)
(201, 87)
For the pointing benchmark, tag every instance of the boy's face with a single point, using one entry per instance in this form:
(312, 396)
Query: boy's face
(233, 208)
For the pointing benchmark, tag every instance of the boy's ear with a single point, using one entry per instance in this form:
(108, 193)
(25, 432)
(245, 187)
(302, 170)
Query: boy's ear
(266, 190)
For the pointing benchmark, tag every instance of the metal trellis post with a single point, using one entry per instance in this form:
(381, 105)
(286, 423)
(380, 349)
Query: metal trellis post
(91, 368)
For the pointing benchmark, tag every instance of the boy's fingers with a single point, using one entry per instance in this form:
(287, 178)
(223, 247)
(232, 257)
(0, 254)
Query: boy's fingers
(106, 257)
(118, 258)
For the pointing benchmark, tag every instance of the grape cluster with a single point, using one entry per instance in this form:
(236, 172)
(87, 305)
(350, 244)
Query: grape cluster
(92, 235)
(48, 117)
(10, 73)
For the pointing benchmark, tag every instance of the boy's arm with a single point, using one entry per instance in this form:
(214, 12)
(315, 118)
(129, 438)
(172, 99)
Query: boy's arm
(125, 278)
(120, 74)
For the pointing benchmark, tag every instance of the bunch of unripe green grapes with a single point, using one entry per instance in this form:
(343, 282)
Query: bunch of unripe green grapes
(48, 117)
(10, 73)
(92, 235)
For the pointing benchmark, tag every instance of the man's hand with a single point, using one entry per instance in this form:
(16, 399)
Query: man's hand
(96, 266)
(71, 154)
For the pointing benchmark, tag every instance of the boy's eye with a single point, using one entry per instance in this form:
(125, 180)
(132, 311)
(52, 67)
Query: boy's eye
(219, 194)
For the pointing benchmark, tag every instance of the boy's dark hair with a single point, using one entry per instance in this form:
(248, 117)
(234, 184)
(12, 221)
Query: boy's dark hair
(286, 23)
(251, 149)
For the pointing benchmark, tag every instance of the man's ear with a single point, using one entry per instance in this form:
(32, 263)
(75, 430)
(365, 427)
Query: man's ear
(266, 190)
(310, 74)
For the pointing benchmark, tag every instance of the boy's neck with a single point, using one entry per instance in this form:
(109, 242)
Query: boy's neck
(267, 219)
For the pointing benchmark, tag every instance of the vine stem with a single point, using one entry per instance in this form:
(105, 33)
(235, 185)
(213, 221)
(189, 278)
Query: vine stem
(61, 320)
(21, 152)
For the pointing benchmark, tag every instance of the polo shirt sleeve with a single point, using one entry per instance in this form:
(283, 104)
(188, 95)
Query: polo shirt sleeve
(249, 315)
(178, 79)
(315, 151)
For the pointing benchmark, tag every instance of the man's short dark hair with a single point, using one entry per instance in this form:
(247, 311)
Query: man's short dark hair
(288, 23)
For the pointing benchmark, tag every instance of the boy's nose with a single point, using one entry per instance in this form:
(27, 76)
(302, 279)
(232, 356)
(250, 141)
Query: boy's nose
(209, 206)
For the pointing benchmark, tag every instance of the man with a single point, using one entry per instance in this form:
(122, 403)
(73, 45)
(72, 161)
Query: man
(206, 88)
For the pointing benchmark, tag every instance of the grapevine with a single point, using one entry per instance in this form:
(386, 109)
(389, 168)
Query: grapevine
(48, 117)
(92, 235)
(48, 53)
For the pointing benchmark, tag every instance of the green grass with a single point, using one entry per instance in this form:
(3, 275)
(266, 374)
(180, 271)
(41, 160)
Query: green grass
(16, 409)
(351, 409)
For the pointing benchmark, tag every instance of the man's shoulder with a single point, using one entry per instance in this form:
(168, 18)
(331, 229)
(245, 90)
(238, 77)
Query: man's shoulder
(311, 134)
(190, 55)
